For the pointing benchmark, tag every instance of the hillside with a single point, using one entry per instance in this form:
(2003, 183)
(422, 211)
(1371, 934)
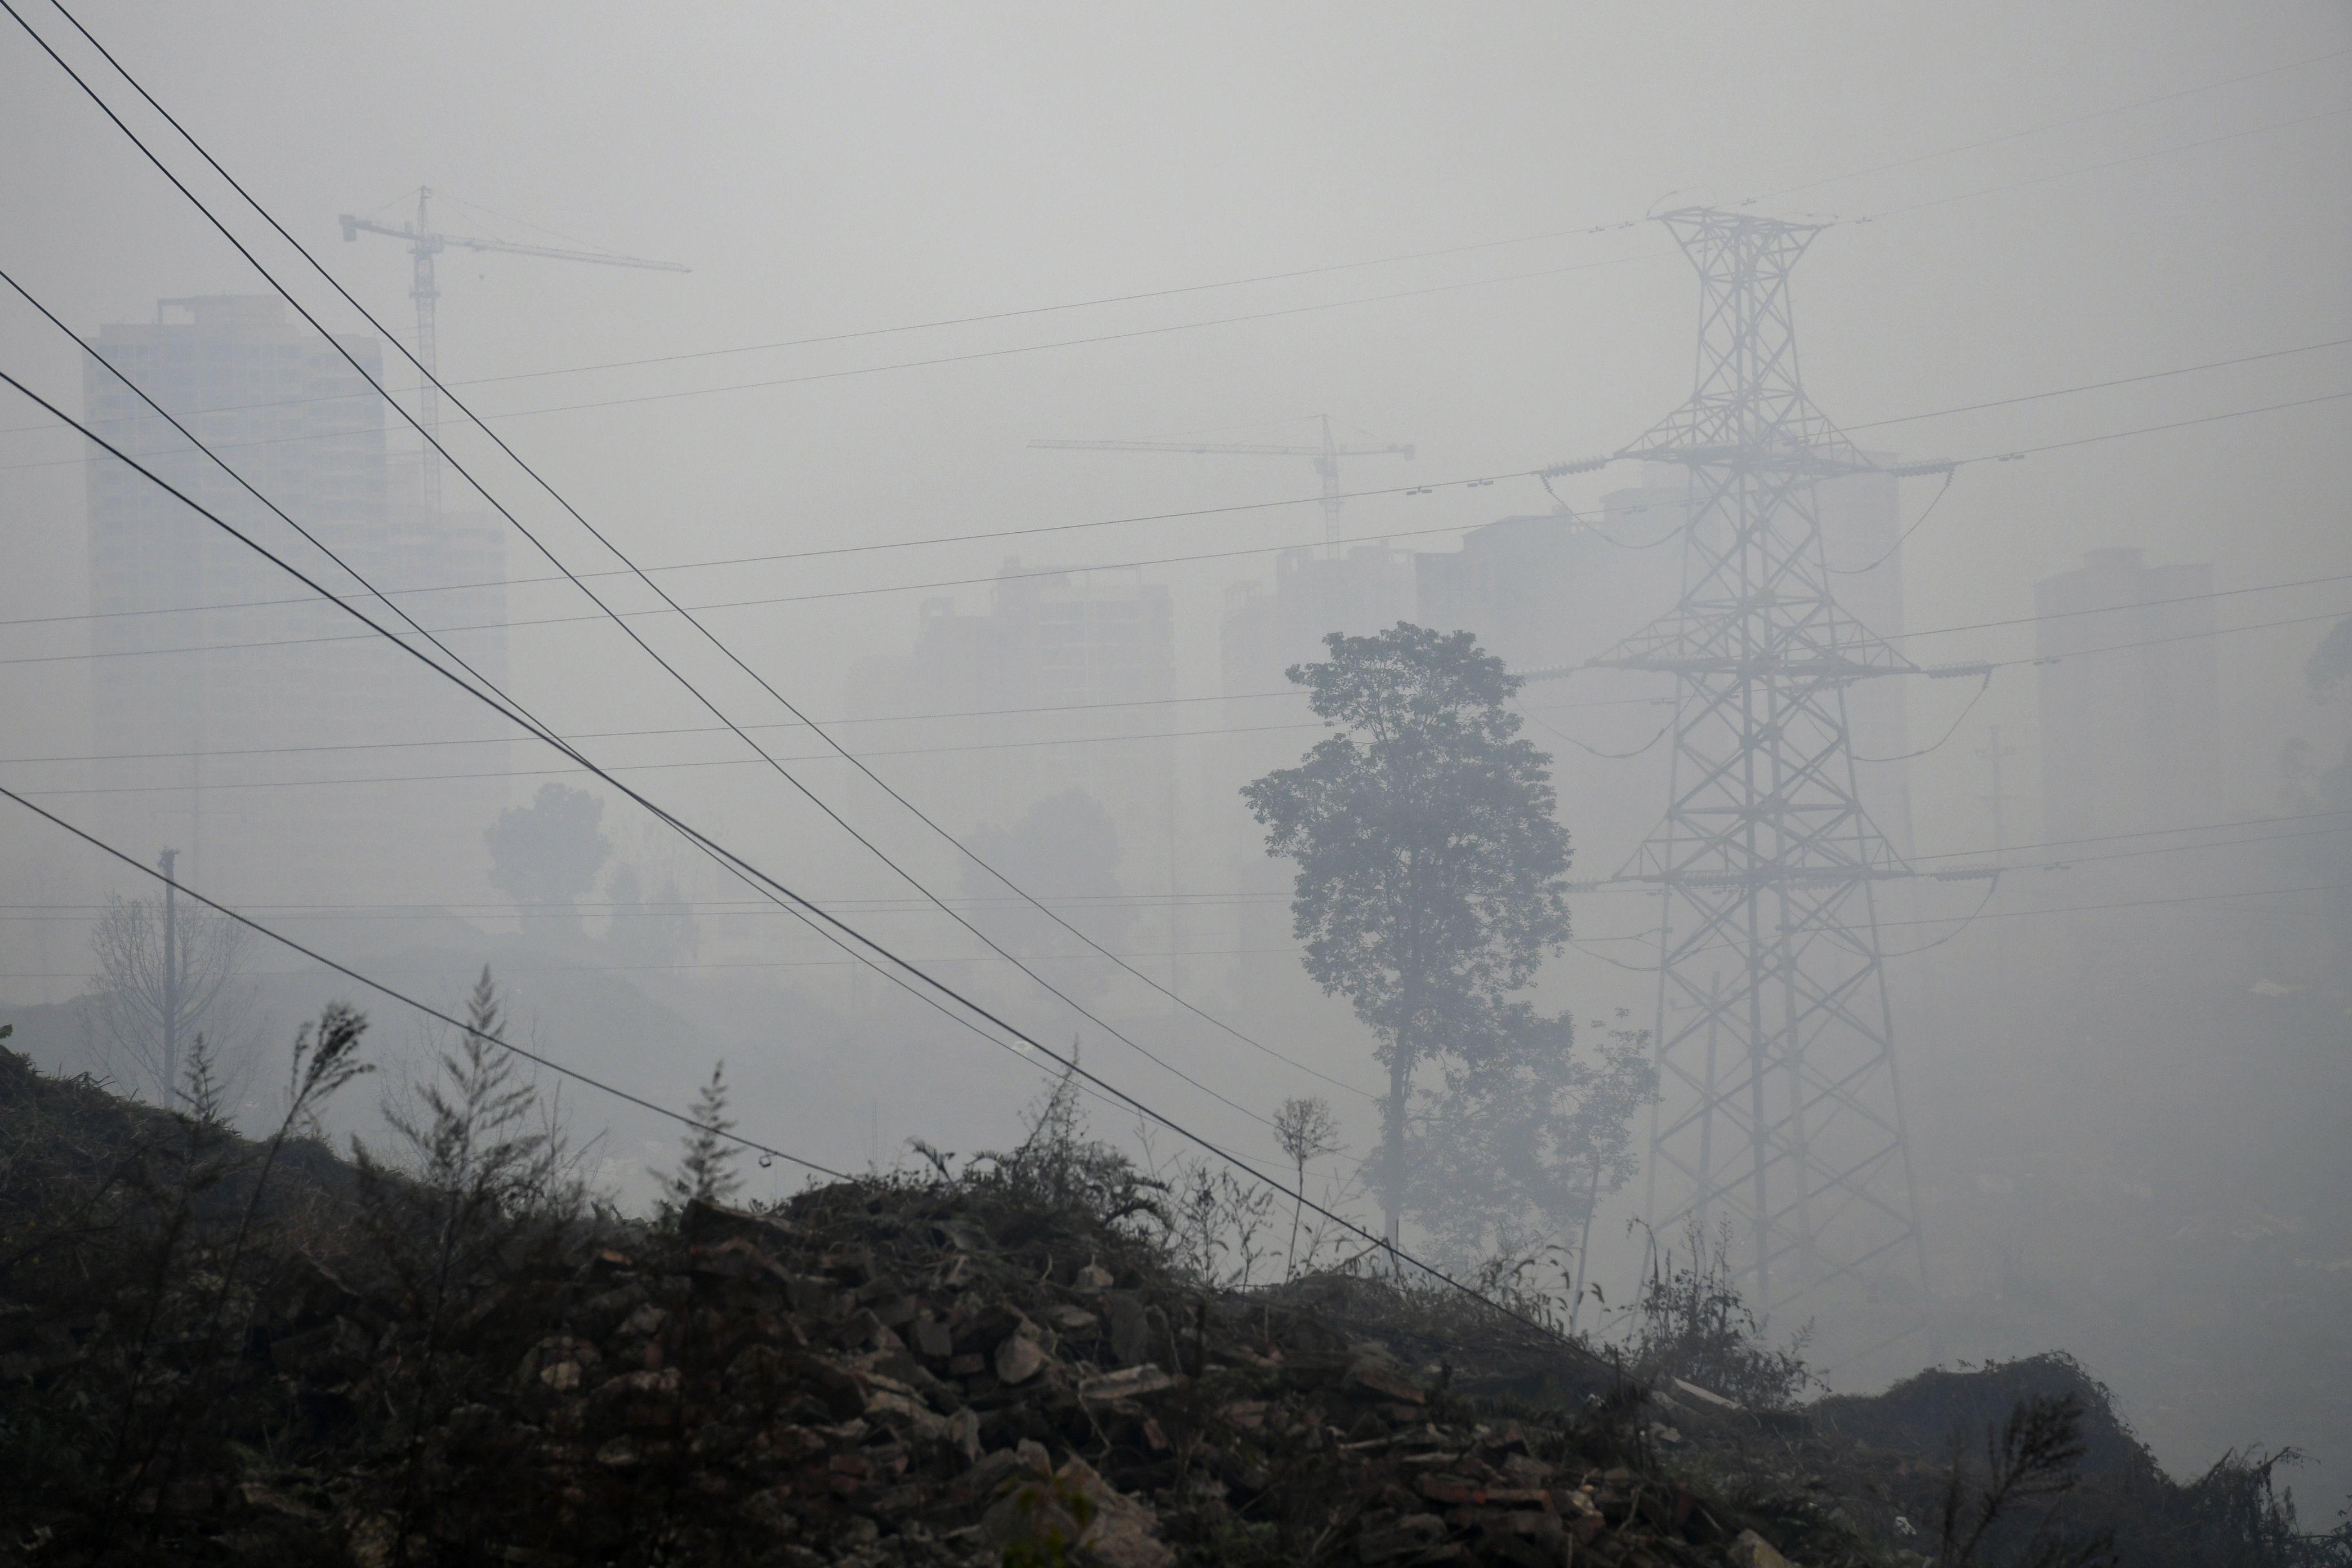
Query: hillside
(218, 1350)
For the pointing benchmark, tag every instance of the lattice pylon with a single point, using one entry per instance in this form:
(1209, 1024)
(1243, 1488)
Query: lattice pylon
(1780, 1109)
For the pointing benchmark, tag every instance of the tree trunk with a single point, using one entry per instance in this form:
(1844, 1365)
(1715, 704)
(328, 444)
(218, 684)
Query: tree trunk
(1400, 1085)
(1399, 1080)
(1401, 1075)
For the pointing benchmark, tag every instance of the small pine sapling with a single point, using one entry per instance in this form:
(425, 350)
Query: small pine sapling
(706, 1174)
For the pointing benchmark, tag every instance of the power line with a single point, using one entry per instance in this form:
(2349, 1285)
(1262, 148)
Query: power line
(971, 356)
(2099, 385)
(2155, 429)
(1900, 538)
(559, 1068)
(686, 730)
(770, 601)
(2069, 863)
(882, 719)
(473, 683)
(853, 335)
(2100, 168)
(857, 758)
(1966, 709)
(1275, 277)
(2139, 604)
(760, 881)
(2014, 455)
(804, 598)
(1190, 513)
(1224, 320)
(1205, 897)
(2049, 125)
(1979, 913)
(1093, 566)
(2073, 909)
(433, 441)
(1465, 482)
(671, 767)
(2137, 833)
(925, 750)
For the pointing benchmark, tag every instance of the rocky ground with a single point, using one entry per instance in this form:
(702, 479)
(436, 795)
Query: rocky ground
(1000, 1365)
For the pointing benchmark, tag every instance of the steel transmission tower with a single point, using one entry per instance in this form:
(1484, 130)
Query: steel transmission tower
(1779, 1112)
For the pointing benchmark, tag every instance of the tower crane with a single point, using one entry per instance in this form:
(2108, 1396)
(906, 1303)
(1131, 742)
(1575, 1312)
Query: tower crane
(425, 243)
(1326, 457)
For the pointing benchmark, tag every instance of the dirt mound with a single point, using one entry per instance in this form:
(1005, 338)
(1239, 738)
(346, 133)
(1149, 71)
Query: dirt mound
(1002, 1367)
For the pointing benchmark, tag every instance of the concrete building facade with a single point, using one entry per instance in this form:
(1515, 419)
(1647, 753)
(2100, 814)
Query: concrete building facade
(235, 709)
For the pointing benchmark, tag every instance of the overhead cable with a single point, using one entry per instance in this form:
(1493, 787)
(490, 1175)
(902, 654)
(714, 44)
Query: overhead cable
(574, 512)
(2050, 125)
(1274, 277)
(471, 1029)
(1069, 1064)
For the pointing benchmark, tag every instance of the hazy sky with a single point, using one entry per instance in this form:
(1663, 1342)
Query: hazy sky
(835, 169)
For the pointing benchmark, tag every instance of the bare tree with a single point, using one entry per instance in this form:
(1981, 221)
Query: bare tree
(164, 977)
(1307, 1130)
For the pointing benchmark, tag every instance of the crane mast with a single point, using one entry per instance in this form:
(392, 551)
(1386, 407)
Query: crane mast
(425, 243)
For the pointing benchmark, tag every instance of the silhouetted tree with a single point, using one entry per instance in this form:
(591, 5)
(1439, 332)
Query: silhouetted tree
(1432, 874)
(546, 855)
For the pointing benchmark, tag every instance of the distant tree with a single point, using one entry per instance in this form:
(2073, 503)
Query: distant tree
(150, 1011)
(1063, 851)
(659, 930)
(1431, 873)
(546, 856)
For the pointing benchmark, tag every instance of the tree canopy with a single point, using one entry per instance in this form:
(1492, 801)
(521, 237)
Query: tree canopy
(1431, 870)
(546, 856)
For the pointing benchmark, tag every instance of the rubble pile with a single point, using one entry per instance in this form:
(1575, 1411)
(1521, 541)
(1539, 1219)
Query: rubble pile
(874, 1375)
(983, 1369)
(1003, 1366)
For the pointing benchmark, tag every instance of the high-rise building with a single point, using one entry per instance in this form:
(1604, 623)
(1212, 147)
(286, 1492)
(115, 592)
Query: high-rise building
(1053, 658)
(1061, 682)
(2128, 737)
(238, 713)
(1544, 594)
